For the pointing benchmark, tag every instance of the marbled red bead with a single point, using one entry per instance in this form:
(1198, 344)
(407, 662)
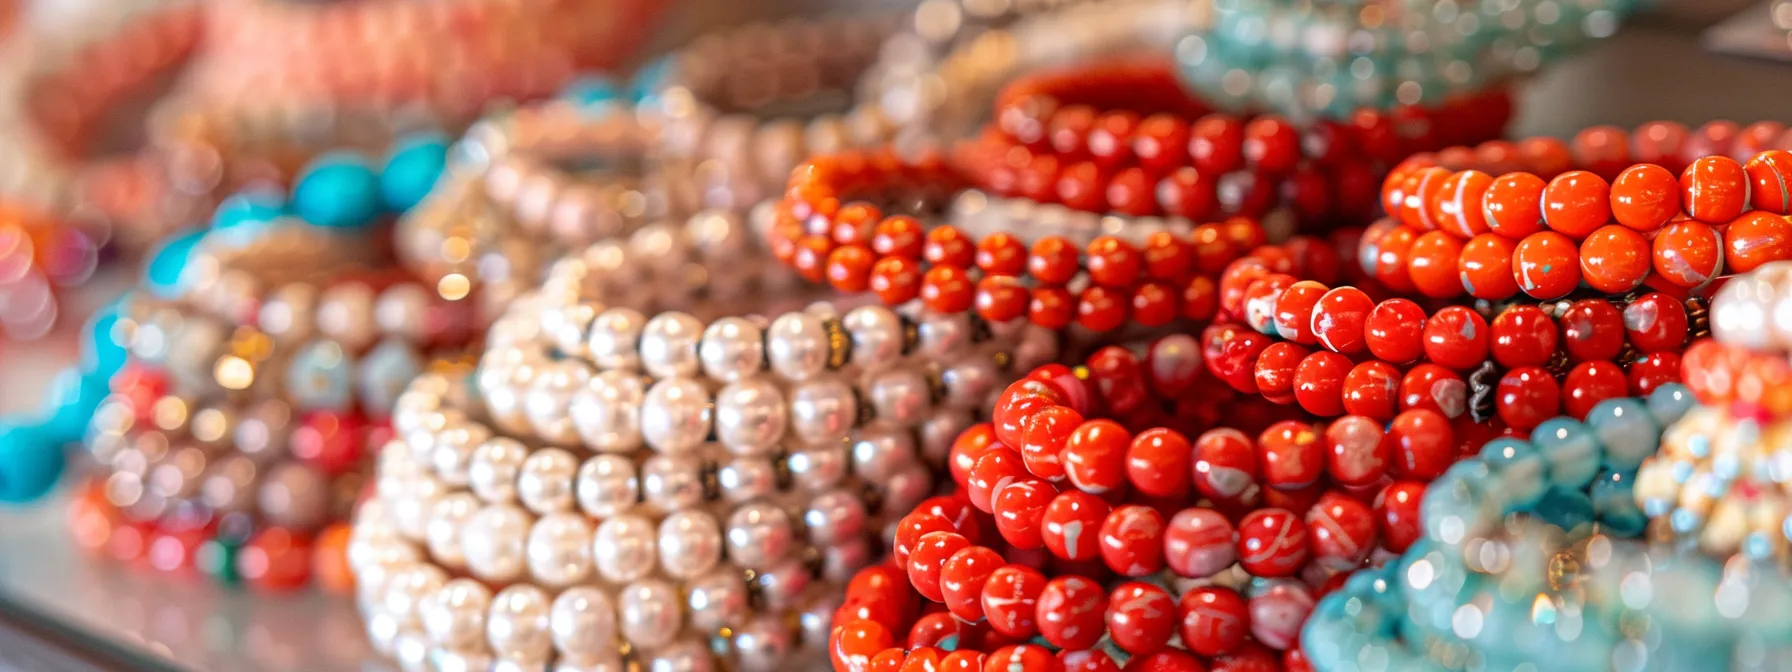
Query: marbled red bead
(1356, 455)
(1433, 265)
(1044, 436)
(1009, 599)
(928, 558)
(1770, 181)
(1592, 329)
(1294, 311)
(1071, 525)
(1615, 260)
(1714, 189)
(1688, 253)
(1757, 238)
(1158, 462)
(911, 528)
(1420, 188)
(1513, 205)
(1319, 383)
(962, 579)
(996, 468)
(1432, 387)
(1577, 202)
(1456, 337)
(1231, 352)
(1274, 374)
(936, 629)
(1278, 610)
(1225, 464)
(1260, 300)
(1372, 389)
(1339, 319)
(1070, 612)
(1272, 543)
(1198, 543)
(1291, 455)
(1397, 514)
(1546, 265)
(1423, 443)
(1095, 456)
(1645, 197)
(1527, 396)
(1456, 208)
(1028, 657)
(1340, 531)
(1132, 541)
(1655, 322)
(1215, 620)
(1141, 617)
(1485, 267)
(1019, 508)
(1652, 371)
(853, 645)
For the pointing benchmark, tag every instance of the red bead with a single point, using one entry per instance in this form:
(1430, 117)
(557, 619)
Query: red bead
(1590, 383)
(1277, 612)
(1433, 264)
(1433, 387)
(1087, 660)
(1260, 300)
(995, 469)
(1655, 323)
(1095, 456)
(1271, 144)
(1165, 661)
(1339, 319)
(1485, 267)
(1604, 150)
(911, 528)
(1577, 202)
(1225, 465)
(1068, 131)
(1051, 307)
(1714, 189)
(1456, 208)
(1132, 541)
(1272, 543)
(854, 644)
(1757, 238)
(1522, 336)
(1053, 260)
(1688, 253)
(1158, 462)
(1456, 337)
(1372, 389)
(928, 558)
(1341, 531)
(1161, 143)
(1275, 371)
(947, 290)
(1001, 298)
(1356, 455)
(896, 280)
(1397, 514)
(1615, 259)
(1393, 250)
(1070, 612)
(1319, 383)
(1102, 309)
(1188, 193)
(1292, 456)
(1216, 144)
(1513, 205)
(1591, 330)
(899, 236)
(1001, 253)
(1420, 188)
(1113, 262)
(1770, 181)
(962, 579)
(1027, 657)
(1215, 620)
(332, 442)
(1546, 265)
(1645, 197)
(947, 246)
(1071, 521)
(1660, 142)
(935, 629)
(1526, 397)
(276, 559)
(1231, 352)
(1130, 192)
(1009, 599)
(849, 268)
(970, 445)
(1546, 156)
(1019, 508)
(1110, 141)
(1043, 438)
(1294, 311)
(1198, 543)
(1142, 618)
(1423, 444)
(1652, 371)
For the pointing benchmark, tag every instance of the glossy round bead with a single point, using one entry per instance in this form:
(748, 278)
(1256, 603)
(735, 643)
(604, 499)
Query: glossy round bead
(1095, 456)
(1770, 181)
(962, 579)
(338, 190)
(1214, 620)
(1546, 265)
(854, 644)
(1341, 530)
(1142, 617)
(1319, 383)
(1590, 383)
(1456, 337)
(1526, 396)
(1654, 322)
(1576, 202)
(1291, 454)
(1645, 197)
(1018, 508)
(1225, 464)
(1372, 389)
(1272, 543)
(996, 468)
(1275, 371)
(1522, 336)
(1393, 253)
(1714, 189)
(1757, 238)
(1356, 455)
(1044, 436)
(1688, 253)
(1338, 321)
(1198, 543)
(1615, 259)
(1513, 205)
(1423, 443)
(1591, 330)
(1277, 612)
(1433, 264)
(1132, 541)
(1071, 525)
(1397, 514)
(1070, 612)
(1027, 657)
(1158, 462)
(1433, 387)
(928, 559)
(1010, 599)
(1485, 267)
(1456, 208)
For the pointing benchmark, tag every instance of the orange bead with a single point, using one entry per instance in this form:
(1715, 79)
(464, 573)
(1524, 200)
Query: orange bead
(1391, 253)
(1770, 181)
(1715, 189)
(1432, 265)
(1547, 157)
(1757, 238)
(1614, 259)
(1546, 265)
(1421, 187)
(1113, 262)
(276, 559)
(1513, 205)
(1457, 205)
(330, 559)
(1577, 202)
(1689, 253)
(1604, 150)
(811, 260)
(896, 280)
(1645, 197)
(849, 268)
(1485, 267)
(947, 290)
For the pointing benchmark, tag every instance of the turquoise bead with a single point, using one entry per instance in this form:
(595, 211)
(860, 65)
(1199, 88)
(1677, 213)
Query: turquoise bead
(1459, 505)
(30, 462)
(165, 274)
(1614, 501)
(71, 403)
(1571, 450)
(650, 79)
(1565, 508)
(1627, 430)
(1670, 402)
(411, 170)
(592, 91)
(101, 355)
(250, 207)
(338, 190)
(319, 378)
(1519, 472)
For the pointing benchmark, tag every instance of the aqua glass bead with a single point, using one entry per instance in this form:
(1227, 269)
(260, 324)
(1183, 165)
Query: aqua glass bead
(650, 79)
(30, 461)
(338, 190)
(101, 355)
(1627, 430)
(319, 378)
(592, 91)
(411, 170)
(1518, 472)
(1614, 501)
(69, 406)
(1670, 402)
(1565, 508)
(165, 274)
(1571, 450)
(250, 207)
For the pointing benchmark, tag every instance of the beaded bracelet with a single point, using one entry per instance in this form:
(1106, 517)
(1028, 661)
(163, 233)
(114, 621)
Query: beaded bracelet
(1567, 475)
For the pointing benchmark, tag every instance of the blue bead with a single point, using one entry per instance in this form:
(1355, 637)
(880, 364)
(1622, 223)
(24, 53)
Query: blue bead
(592, 91)
(165, 273)
(1565, 508)
(1627, 430)
(101, 355)
(338, 190)
(412, 169)
(1670, 402)
(69, 406)
(250, 207)
(1614, 500)
(1571, 450)
(1518, 472)
(30, 463)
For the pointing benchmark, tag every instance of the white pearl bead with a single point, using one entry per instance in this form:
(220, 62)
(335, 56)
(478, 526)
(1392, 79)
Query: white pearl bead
(517, 627)
(545, 484)
(454, 615)
(615, 340)
(798, 346)
(669, 345)
(900, 395)
(817, 467)
(405, 592)
(607, 411)
(747, 478)
(494, 542)
(762, 645)
(412, 507)
(879, 450)
(450, 516)
(602, 662)
(969, 381)
(759, 534)
(548, 402)
(877, 336)
(624, 548)
(941, 336)
(690, 544)
(717, 599)
(670, 483)
(675, 416)
(834, 517)
(460, 661)
(559, 549)
(650, 613)
(583, 622)
(750, 416)
(411, 651)
(607, 486)
(822, 410)
(732, 349)
(453, 451)
(495, 467)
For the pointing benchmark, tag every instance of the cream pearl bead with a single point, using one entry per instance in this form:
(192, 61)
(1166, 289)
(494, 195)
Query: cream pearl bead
(670, 483)
(495, 542)
(818, 467)
(547, 403)
(650, 613)
(624, 548)
(758, 535)
(615, 339)
(834, 517)
(939, 432)
(450, 516)
(822, 410)
(382, 632)
(413, 503)
(405, 591)
(732, 349)
(411, 650)
(669, 345)
(604, 662)
(675, 415)
(746, 478)
(798, 346)
(900, 395)
(878, 336)
(940, 336)
(459, 661)
(879, 450)
(607, 411)
(493, 472)
(750, 416)
(905, 489)
(583, 623)
(762, 645)
(717, 600)
(545, 483)
(816, 617)
(685, 655)
(607, 486)
(970, 380)
(690, 543)
(454, 615)
(559, 549)
(452, 451)
(569, 327)
(782, 583)
(517, 625)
